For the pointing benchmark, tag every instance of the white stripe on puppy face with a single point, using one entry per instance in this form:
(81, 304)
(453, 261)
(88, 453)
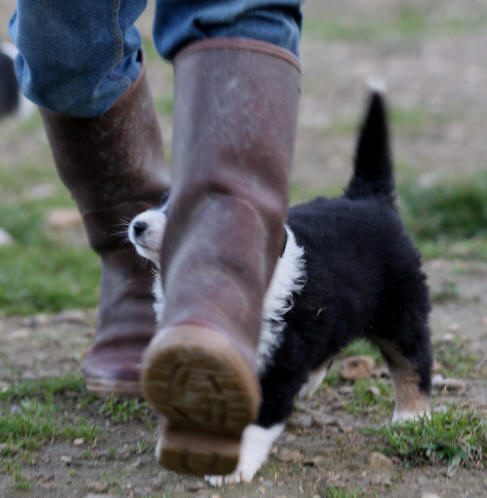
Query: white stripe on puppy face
(148, 241)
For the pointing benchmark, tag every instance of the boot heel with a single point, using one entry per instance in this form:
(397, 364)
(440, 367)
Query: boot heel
(207, 394)
(198, 454)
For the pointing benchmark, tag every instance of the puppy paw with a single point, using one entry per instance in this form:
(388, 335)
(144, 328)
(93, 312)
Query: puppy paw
(256, 444)
(236, 477)
(405, 416)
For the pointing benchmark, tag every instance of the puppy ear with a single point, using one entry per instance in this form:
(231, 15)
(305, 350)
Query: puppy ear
(165, 197)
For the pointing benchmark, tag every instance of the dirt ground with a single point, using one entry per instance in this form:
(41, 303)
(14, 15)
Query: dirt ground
(434, 68)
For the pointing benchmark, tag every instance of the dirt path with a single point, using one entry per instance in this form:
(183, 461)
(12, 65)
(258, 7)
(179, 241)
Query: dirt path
(433, 59)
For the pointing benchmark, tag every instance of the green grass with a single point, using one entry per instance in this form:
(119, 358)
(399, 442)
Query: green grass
(454, 210)
(129, 410)
(456, 359)
(164, 105)
(40, 272)
(43, 388)
(404, 24)
(335, 492)
(448, 291)
(363, 401)
(34, 412)
(454, 438)
(364, 348)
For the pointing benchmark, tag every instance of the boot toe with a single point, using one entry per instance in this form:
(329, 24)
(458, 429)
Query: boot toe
(114, 372)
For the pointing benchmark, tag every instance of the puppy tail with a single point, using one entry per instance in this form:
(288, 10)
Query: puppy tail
(373, 174)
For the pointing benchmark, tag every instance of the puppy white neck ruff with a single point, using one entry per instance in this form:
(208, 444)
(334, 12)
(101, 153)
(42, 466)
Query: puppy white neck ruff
(288, 279)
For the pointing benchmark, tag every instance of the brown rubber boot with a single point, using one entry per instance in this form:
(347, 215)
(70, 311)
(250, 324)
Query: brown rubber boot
(235, 114)
(113, 166)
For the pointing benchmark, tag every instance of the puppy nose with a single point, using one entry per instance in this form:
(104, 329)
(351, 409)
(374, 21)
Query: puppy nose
(139, 228)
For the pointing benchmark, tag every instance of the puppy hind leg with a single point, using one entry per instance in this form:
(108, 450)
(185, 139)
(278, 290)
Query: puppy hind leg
(314, 381)
(410, 369)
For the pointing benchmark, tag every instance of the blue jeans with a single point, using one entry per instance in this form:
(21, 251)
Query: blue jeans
(78, 58)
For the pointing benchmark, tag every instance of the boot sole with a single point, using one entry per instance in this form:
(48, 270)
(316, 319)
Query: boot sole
(105, 388)
(207, 393)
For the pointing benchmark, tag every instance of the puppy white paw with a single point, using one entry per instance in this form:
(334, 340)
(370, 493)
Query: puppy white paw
(236, 477)
(256, 444)
(405, 416)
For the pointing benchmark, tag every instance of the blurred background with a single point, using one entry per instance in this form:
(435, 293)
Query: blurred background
(432, 56)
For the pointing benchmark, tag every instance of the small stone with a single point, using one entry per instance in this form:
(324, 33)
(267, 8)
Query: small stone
(304, 420)
(345, 390)
(381, 372)
(440, 409)
(19, 334)
(378, 460)
(69, 316)
(215, 495)
(34, 321)
(98, 487)
(5, 238)
(290, 438)
(15, 410)
(437, 367)
(314, 461)
(66, 459)
(62, 218)
(381, 479)
(134, 465)
(14, 450)
(450, 337)
(357, 367)
(78, 441)
(430, 495)
(449, 384)
(92, 495)
(289, 456)
(374, 390)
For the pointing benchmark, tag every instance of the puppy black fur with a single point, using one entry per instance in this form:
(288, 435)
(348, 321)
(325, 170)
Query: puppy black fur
(350, 270)
(363, 278)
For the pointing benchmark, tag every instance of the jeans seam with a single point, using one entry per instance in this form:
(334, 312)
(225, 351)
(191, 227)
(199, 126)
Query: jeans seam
(118, 44)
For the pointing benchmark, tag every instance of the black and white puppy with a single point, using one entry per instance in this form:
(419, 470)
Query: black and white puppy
(12, 100)
(348, 270)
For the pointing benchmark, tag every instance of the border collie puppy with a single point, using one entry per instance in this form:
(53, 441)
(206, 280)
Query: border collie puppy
(12, 100)
(348, 270)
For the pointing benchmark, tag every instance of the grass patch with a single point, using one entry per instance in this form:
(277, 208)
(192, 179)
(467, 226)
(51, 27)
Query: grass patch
(362, 347)
(447, 292)
(454, 210)
(455, 438)
(164, 105)
(364, 401)
(456, 359)
(335, 492)
(44, 388)
(123, 411)
(30, 415)
(404, 24)
(48, 279)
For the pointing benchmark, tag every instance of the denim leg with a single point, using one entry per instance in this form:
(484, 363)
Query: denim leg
(179, 22)
(76, 58)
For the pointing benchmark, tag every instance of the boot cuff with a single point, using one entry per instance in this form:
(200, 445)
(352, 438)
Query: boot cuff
(244, 44)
